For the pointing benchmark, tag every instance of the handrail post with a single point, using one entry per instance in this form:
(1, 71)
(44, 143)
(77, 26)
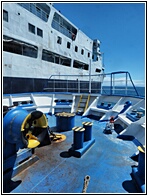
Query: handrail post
(54, 85)
(126, 84)
(78, 86)
(90, 77)
(111, 84)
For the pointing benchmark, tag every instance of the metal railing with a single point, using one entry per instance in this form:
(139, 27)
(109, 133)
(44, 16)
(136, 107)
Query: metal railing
(74, 83)
(115, 83)
(34, 9)
(61, 29)
(119, 83)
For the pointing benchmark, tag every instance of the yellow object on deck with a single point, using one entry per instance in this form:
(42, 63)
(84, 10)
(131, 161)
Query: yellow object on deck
(65, 114)
(32, 143)
(83, 103)
(141, 149)
(87, 123)
(56, 138)
(32, 140)
(78, 129)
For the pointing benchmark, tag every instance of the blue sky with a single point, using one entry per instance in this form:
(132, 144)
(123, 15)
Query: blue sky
(121, 29)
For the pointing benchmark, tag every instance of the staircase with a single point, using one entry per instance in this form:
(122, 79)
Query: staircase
(83, 103)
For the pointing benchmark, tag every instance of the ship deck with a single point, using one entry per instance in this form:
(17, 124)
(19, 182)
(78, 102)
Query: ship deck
(107, 162)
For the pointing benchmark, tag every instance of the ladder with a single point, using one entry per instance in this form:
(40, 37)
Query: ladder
(83, 103)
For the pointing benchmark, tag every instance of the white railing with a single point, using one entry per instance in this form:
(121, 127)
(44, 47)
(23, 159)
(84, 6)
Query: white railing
(116, 83)
(73, 83)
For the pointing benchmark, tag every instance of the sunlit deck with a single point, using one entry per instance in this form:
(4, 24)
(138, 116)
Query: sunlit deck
(107, 162)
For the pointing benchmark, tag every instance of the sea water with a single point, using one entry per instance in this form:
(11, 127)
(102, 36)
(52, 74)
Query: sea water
(141, 91)
(131, 91)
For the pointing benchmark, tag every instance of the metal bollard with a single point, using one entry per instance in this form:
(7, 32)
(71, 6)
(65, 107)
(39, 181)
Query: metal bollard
(141, 162)
(78, 138)
(88, 131)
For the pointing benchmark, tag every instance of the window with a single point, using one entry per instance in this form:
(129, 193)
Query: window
(65, 61)
(59, 40)
(31, 28)
(38, 12)
(5, 15)
(98, 70)
(82, 51)
(63, 26)
(76, 48)
(39, 32)
(11, 46)
(68, 44)
(39, 9)
(29, 51)
(80, 65)
(47, 56)
(19, 47)
(88, 54)
(55, 58)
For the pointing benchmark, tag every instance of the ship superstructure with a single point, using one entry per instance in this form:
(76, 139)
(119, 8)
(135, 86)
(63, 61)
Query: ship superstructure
(38, 42)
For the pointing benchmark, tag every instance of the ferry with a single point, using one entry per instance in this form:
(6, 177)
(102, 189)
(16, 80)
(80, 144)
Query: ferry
(40, 44)
(66, 133)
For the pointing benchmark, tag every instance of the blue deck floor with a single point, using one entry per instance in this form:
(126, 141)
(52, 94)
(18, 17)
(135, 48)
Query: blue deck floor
(107, 162)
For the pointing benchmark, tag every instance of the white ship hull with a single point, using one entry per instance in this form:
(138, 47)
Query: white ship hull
(35, 49)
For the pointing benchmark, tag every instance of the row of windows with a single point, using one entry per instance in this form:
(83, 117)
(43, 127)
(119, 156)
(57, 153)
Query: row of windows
(35, 30)
(59, 41)
(56, 58)
(42, 11)
(39, 32)
(22, 48)
(31, 28)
